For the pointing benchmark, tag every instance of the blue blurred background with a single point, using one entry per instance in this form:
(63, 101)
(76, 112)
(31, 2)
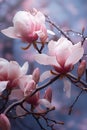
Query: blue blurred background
(68, 14)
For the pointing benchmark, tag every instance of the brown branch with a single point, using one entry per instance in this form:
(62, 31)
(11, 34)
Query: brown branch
(14, 104)
(75, 81)
(76, 99)
(46, 84)
(58, 28)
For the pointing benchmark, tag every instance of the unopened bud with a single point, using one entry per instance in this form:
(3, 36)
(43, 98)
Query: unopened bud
(48, 94)
(81, 68)
(4, 122)
(33, 100)
(36, 75)
(29, 88)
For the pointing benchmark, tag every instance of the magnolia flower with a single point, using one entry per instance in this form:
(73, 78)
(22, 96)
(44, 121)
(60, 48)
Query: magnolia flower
(10, 73)
(4, 122)
(62, 55)
(28, 26)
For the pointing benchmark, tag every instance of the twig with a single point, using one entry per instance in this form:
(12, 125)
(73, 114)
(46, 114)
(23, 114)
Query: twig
(74, 79)
(76, 99)
(13, 105)
(38, 122)
(57, 27)
(46, 84)
(36, 47)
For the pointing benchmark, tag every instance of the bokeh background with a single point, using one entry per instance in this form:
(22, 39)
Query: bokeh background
(68, 14)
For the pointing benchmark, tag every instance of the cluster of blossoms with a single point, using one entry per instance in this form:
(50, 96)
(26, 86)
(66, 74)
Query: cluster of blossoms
(62, 55)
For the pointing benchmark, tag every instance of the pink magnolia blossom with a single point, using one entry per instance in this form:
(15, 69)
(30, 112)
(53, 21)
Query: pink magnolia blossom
(4, 122)
(10, 73)
(28, 26)
(62, 55)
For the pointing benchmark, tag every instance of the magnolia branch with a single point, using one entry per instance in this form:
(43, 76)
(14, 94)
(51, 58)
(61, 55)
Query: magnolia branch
(76, 99)
(46, 84)
(57, 27)
(75, 81)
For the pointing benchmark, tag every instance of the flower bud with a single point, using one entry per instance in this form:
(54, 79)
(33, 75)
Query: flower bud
(44, 103)
(4, 122)
(29, 88)
(33, 100)
(36, 75)
(48, 94)
(81, 68)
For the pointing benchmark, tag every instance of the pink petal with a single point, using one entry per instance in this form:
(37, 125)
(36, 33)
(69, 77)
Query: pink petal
(64, 42)
(4, 122)
(51, 46)
(22, 17)
(4, 64)
(14, 70)
(3, 85)
(10, 32)
(40, 17)
(29, 88)
(22, 22)
(48, 94)
(76, 54)
(33, 100)
(16, 94)
(24, 68)
(24, 80)
(45, 75)
(46, 60)
(20, 111)
(36, 75)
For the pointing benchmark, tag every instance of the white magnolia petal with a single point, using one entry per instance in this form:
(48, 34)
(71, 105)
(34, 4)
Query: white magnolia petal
(16, 94)
(76, 54)
(3, 60)
(24, 80)
(13, 70)
(45, 103)
(21, 17)
(46, 60)
(10, 32)
(50, 32)
(45, 75)
(24, 68)
(67, 88)
(39, 16)
(64, 42)
(3, 85)
(51, 46)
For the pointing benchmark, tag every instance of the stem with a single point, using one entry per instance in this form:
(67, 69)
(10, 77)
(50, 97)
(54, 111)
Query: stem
(38, 122)
(13, 105)
(71, 107)
(46, 84)
(75, 80)
(36, 47)
(57, 27)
